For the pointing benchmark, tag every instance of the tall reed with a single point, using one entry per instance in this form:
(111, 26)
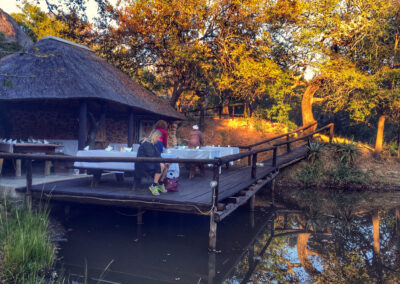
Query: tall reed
(27, 253)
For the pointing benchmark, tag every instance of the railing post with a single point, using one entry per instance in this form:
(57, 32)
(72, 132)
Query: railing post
(216, 178)
(288, 144)
(249, 159)
(274, 157)
(331, 133)
(254, 167)
(28, 193)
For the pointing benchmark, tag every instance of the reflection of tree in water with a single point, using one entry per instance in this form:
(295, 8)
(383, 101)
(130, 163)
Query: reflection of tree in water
(335, 243)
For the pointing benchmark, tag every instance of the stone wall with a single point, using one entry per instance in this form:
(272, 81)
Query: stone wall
(60, 121)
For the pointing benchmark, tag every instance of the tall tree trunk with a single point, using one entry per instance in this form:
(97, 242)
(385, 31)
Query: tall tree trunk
(379, 134)
(307, 101)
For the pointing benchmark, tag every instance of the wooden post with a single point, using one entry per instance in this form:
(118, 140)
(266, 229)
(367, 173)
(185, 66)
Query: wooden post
(212, 235)
(274, 157)
(216, 187)
(254, 166)
(18, 167)
(28, 193)
(130, 128)
(249, 159)
(82, 125)
(273, 192)
(139, 216)
(288, 144)
(331, 133)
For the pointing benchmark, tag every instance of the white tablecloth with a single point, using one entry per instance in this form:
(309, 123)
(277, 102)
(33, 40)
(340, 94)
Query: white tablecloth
(119, 166)
(205, 152)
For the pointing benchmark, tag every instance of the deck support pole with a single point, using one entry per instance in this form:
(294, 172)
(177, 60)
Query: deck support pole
(139, 216)
(274, 157)
(28, 193)
(249, 159)
(273, 192)
(18, 166)
(82, 125)
(211, 267)
(212, 235)
(130, 128)
(252, 203)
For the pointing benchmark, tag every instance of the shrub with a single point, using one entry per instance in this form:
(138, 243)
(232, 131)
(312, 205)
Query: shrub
(315, 150)
(348, 152)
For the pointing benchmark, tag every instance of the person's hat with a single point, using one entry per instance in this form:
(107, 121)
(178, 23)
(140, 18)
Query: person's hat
(195, 127)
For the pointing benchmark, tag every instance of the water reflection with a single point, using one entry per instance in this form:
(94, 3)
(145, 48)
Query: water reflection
(327, 239)
(334, 240)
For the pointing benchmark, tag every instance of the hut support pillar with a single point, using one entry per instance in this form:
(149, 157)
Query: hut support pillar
(82, 125)
(47, 168)
(131, 128)
(18, 167)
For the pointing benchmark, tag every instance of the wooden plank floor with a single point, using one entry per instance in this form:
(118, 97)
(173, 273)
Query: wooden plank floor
(195, 192)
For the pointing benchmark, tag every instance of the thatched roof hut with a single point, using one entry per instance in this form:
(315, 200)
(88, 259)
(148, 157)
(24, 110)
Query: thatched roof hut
(69, 75)
(12, 32)
(65, 70)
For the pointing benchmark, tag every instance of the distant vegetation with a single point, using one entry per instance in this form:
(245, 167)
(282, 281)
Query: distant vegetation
(290, 61)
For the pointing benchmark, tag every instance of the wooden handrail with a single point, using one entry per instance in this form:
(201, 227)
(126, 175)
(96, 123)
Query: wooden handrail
(105, 159)
(330, 126)
(279, 136)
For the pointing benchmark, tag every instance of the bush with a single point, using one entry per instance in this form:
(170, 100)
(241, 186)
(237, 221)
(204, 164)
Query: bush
(27, 252)
(310, 173)
(348, 152)
(315, 150)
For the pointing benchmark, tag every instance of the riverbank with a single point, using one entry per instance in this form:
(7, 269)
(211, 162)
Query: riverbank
(343, 167)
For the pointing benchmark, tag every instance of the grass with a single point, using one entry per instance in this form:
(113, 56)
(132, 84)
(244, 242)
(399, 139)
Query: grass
(27, 253)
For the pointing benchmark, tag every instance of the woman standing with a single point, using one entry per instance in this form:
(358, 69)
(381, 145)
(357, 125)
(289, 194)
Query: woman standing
(162, 126)
(148, 148)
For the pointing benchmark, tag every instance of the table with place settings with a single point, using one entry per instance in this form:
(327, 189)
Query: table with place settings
(118, 166)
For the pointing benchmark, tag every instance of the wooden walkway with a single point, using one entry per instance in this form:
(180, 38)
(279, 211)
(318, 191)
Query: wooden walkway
(218, 194)
(196, 194)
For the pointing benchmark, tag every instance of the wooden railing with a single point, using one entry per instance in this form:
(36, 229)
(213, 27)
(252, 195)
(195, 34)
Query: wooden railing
(287, 135)
(216, 162)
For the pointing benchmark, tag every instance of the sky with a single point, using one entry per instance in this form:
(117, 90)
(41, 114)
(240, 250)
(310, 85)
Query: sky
(11, 6)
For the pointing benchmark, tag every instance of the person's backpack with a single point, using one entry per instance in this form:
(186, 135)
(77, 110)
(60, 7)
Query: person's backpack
(171, 184)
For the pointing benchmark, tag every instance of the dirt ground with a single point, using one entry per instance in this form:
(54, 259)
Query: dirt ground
(233, 132)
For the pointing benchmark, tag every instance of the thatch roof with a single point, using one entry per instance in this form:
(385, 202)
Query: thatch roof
(12, 32)
(65, 70)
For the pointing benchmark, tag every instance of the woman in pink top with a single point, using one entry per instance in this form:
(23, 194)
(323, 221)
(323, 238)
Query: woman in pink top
(162, 126)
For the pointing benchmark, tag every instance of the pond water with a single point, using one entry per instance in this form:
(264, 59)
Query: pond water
(305, 237)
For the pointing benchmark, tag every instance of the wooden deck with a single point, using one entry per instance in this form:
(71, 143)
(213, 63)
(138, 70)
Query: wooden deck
(194, 196)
